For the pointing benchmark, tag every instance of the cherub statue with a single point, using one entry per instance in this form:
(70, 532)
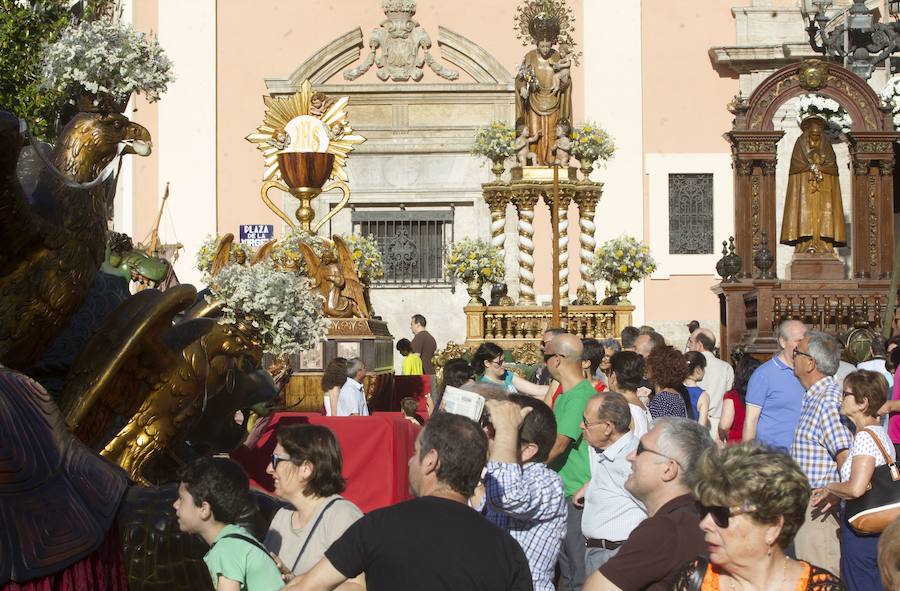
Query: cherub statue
(280, 140)
(563, 145)
(562, 69)
(523, 143)
(334, 276)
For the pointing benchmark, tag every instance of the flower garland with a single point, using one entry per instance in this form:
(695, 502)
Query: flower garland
(471, 258)
(207, 253)
(836, 118)
(279, 307)
(622, 258)
(286, 252)
(590, 143)
(889, 94)
(495, 141)
(366, 256)
(107, 58)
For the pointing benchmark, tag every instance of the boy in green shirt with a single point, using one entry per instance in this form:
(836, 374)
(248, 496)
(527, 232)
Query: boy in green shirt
(211, 495)
(412, 363)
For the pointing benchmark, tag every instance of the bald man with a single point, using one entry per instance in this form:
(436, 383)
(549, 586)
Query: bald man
(569, 455)
(719, 376)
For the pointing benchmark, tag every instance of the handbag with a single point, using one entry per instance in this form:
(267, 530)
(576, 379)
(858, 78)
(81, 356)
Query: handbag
(880, 505)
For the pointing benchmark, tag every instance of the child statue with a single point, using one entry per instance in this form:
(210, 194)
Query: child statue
(562, 69)
(563, 146)
(523, 143)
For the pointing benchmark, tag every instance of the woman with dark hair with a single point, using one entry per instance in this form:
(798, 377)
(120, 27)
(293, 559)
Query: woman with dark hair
(306, 468)
(488, 365)
(626, 372)
(696, 369)
(666, 369)
(731, 424)
(864, 393)
(334, 377)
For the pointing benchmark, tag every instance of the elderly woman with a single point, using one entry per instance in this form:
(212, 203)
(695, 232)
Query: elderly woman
(666, 369)
(864, 393)
(488, 364)
(306, 467)
(752, 501)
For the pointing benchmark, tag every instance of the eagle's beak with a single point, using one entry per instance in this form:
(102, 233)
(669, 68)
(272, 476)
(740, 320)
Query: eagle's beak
(137, 140)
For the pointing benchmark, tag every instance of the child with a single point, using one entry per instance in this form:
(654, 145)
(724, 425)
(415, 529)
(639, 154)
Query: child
(412, 363)
(410, 406)
(211, 495)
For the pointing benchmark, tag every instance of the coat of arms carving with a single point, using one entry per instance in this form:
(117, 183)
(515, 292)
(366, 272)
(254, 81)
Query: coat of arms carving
(399, 40)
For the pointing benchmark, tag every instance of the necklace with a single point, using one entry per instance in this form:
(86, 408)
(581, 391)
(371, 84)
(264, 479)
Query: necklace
(783, 576)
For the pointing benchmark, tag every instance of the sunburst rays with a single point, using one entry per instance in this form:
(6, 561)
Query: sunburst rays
(280, 110)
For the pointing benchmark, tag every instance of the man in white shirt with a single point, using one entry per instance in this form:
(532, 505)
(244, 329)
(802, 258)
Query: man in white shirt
(352, 398)
(718, 378)
(610, 512)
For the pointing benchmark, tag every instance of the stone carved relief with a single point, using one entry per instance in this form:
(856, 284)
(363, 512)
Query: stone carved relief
(399, 39)
(873, 224)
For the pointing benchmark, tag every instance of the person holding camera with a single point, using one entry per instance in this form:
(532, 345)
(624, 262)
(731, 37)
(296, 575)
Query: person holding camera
(522, 494)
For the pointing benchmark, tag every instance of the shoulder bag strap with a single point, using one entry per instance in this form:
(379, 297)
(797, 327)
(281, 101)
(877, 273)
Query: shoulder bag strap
(312, 531)
(892, 465)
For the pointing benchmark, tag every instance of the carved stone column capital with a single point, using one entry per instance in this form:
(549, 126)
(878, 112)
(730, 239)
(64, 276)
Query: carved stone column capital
(587, 197)
(524, 197)
(496, 196)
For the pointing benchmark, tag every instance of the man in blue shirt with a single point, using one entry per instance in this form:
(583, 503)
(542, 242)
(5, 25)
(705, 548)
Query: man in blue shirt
(774, 394)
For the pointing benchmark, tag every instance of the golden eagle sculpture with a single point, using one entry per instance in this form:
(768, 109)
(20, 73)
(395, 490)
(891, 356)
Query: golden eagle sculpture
(47, 266)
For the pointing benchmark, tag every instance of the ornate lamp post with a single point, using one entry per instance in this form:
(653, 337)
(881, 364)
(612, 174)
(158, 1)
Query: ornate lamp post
(859, 43)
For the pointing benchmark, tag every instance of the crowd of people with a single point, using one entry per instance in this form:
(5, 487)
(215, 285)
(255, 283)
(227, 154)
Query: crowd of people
(620, 464)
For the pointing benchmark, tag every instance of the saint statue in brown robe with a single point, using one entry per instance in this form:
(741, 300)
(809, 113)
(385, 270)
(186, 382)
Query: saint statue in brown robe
(543, 95)
(813, 214)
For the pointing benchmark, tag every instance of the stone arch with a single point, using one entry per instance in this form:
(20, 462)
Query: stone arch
(815, 77)
(334, 57)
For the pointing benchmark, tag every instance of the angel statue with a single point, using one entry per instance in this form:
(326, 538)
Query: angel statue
(334, 275)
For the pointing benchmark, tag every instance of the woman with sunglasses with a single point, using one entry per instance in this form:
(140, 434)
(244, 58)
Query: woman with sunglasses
(488, 364)
(864, 393)
(752, 501)
(306, 468)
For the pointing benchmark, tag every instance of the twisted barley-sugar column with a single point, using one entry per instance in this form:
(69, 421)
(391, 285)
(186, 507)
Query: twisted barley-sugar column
(586, 198)
(564, 201)
(497, 200)
(525, 199)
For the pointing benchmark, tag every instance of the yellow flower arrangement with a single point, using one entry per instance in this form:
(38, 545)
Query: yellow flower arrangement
(623, 258)
(470, 258)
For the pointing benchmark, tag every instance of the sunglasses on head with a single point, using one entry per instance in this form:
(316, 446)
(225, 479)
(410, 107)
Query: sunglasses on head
(721, 515)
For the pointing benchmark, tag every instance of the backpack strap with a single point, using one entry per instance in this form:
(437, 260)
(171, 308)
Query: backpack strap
(248, 539)
(312, 531)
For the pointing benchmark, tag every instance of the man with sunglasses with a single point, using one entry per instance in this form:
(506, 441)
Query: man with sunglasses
(541, 375)
(569, 456)
(663, 465)
(821, 444)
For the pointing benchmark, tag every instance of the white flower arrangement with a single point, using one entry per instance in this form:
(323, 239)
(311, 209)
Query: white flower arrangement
(889, 94)
(107, 58)
(470, 258)
(278, 307)
(495, 141)
(366, 256)
(836, 117)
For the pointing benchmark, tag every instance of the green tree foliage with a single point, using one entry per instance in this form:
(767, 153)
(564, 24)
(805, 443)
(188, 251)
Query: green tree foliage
(25, 28)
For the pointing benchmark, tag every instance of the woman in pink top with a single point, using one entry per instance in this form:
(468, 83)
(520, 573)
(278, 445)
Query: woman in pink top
(892, 406)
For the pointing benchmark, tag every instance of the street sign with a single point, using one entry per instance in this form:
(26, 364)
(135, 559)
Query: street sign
(255, 235)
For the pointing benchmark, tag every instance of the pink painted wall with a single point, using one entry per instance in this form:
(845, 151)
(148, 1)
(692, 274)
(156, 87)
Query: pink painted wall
(271, 38)
(146, 170)
(684, 112)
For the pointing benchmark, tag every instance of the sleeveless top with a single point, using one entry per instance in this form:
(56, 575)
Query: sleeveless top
(507, 382)
(812, 579)
(695, 392)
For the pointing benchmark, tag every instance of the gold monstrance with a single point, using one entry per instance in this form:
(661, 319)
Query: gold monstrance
(305, 139)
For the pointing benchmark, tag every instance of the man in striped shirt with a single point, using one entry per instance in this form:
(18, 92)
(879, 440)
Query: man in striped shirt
(522, 495)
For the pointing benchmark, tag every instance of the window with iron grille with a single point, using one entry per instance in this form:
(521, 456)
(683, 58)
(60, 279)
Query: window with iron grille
(691, 213)
(412, 244)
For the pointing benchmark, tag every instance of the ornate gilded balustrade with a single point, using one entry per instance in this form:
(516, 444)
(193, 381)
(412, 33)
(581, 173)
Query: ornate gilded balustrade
(511, 326)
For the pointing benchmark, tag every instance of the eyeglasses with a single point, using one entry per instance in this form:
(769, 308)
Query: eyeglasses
(587, 424)
(498, 362)
(277, 458)
(641, 448)
(799, 352)
(721, 515)
(845, 393)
